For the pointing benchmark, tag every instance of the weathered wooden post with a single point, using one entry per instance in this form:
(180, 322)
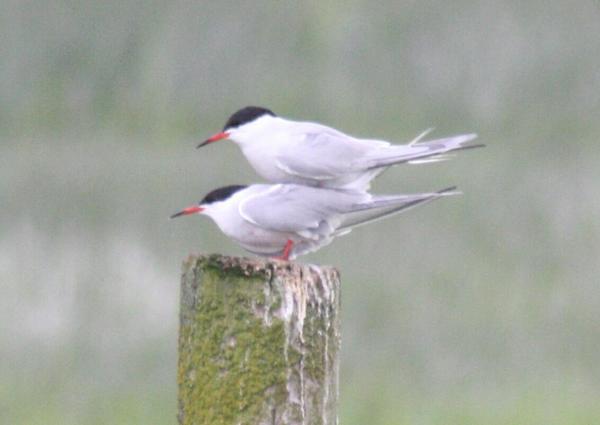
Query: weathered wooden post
(259, 342)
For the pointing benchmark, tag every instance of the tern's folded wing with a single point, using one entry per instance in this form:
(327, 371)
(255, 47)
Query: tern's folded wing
(325, 154)
(383, 206)
(415, 153)
(294, 208)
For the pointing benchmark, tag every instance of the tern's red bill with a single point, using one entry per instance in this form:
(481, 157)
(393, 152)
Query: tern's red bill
(189, 210)
(215, 138)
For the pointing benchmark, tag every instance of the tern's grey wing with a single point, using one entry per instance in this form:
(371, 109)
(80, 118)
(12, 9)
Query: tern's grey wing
(321, 153)
(415, 153)
(294, 208)
(379, 207)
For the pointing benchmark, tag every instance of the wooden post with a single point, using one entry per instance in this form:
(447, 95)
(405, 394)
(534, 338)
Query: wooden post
(259, 342)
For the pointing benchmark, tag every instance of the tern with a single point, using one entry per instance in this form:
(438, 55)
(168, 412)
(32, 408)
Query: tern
(307, 153)
(288, 220)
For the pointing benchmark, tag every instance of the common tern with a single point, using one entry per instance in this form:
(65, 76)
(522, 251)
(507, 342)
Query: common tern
(288, 220)
(307, 153)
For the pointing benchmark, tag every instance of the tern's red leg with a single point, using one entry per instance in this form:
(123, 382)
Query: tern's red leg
(286, 250)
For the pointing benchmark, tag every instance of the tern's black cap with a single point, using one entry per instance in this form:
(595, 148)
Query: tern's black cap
(221, 194)
(246, 115)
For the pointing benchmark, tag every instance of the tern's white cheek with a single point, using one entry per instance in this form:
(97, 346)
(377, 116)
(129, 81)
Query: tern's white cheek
(240, 136)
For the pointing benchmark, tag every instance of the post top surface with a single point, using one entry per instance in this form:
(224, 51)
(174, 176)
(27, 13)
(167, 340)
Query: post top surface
(255, 266)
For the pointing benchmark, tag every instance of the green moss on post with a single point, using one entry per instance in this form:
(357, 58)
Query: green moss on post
(259, 342)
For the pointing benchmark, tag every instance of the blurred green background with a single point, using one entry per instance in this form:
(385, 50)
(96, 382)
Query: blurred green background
(483, 309)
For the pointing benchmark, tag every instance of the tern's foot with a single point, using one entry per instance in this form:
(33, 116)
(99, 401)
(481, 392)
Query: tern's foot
(286, 251)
